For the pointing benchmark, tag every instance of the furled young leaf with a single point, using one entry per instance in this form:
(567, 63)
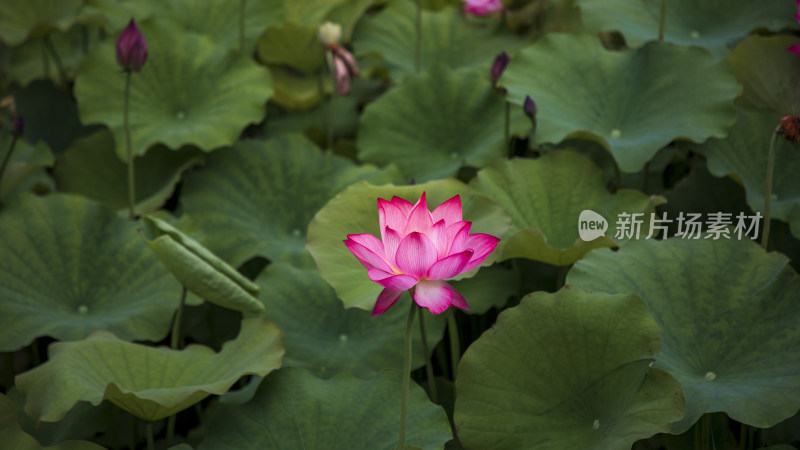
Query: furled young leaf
(199, 270)
(258, 197)
(545, 198)
(633, 102)
(447, 38)
(70, 267)
(716, 25)
(294, 410)
(90, 167)
(12, 436)
(728, 316)
(333, 339)
(150, 383)
(355, 210)
(566, 370)
(437, 122)
(190, 91)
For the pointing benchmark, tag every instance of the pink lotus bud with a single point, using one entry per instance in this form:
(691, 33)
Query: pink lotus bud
(529, 107)
(131, 48)
(419, 249)
(482, 7)
(499, 66)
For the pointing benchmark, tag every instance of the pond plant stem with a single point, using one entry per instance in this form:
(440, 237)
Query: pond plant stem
(455, 342)
(148, 428)
(768, 187)
(332, 70)
(406, 378)
(7, 158)
(508, 130)
(176, 343)
(663, 21)
(126, 124)
(428, 364)
(418, 40)
(62, 75)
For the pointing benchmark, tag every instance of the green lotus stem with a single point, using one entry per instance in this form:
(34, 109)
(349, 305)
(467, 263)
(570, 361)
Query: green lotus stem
(428, 364)
(406, 378)
(175, 338)
(62, 74)
(134, 431)
(332, 70)
(8, 361)
(126, 124)
(663, 20)
(418, 41)
(241, 25)
(455, 342)
(148, 427)
(7, 158)
(768, 187)
(743, 437)
(508, 130)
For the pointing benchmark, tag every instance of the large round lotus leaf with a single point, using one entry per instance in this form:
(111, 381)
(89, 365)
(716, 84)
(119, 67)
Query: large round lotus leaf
(32, 60)
(25, 160)
(545, 198)
(295, 410)
(744, 154)
(447, 38)
(728, 316)
(90, 167)
(355, 211)
(437, 122)
(12, 436)
(69, 266)
(713, 24)
(633, 102)
(258, 197)
(200, 271)
(569, 370)
(769, 73)
(116, 14)
(150, 383)
(325, 338)
(220, 19)
(294, 45)
(190, 91)
(18, 20)
(490, 287)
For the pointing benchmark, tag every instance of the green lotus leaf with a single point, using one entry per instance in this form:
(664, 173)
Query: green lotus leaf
(25, 160)
(82, 422)
(12, 435)
(293, 45)
(744, 154)
(447, 38)
(439, 121)
(116, 14)
(32, 60)
(70, 267)
(295, 410)
(566, 370)
(727, 312)
(633, 102)
(199, 270)
(220, 19)
(258, 197)
(295, 90)
(769, 73)
(90, 167)
(36, 18)
(150, 383)
(355, 211)
(333, 339)
(190, 91)
(545, 198)
(716, 25)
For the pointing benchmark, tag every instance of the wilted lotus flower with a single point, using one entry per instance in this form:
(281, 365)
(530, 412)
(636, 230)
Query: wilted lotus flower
(482, 7)
(344, 64)
(790, 128)
(418, 249)
(131, 48)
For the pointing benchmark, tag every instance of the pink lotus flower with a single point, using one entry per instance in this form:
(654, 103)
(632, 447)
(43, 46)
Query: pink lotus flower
(796, 47)
(131, 48)
(418, 249)
(482, 7)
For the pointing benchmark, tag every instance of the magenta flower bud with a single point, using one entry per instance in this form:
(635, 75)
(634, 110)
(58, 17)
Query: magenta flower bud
(482, 7)
(17, 126)
(529, 107)
(131, 48)
(499, 66)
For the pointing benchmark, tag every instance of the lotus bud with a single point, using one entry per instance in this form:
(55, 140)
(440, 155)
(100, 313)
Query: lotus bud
(131, 48)
(499, 66)
(529, 107)
(17, 126)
